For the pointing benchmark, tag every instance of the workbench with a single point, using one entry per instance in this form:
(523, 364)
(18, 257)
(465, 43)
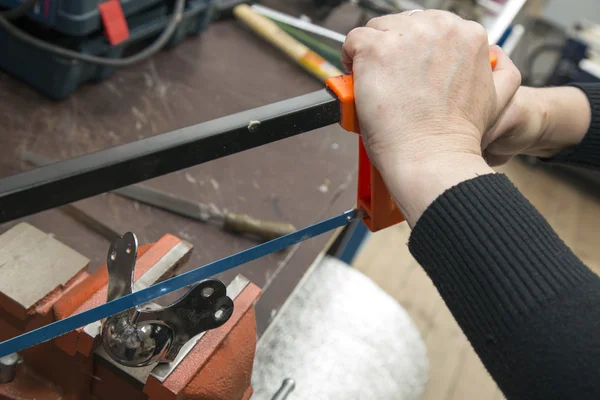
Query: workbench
(226, 70)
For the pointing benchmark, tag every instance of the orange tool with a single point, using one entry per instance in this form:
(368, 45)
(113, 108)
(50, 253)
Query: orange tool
(373, 198)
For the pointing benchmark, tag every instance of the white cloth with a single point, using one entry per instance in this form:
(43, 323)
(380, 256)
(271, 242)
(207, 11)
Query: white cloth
(341, 337)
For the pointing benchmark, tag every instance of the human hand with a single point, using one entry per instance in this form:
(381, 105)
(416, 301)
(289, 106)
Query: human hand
(425, 94)
(424, 86)
(538, 122)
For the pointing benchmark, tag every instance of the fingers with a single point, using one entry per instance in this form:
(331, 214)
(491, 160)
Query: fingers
(357, 40)
(507, 78)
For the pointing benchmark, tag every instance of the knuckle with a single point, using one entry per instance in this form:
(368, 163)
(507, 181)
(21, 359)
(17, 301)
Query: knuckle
(353, 34)
(378, 50)
(423, 30)
(374, 22)
(447, 21)
(476, 31)
(354, 39)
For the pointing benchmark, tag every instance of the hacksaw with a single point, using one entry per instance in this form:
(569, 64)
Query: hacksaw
(78, 178)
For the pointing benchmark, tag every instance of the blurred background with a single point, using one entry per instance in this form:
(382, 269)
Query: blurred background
(78, 76)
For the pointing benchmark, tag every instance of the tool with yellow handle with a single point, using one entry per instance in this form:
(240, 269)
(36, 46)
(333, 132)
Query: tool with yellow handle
(267, 29)
(75, 179)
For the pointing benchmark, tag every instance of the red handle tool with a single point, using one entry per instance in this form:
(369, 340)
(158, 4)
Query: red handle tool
(373, 198)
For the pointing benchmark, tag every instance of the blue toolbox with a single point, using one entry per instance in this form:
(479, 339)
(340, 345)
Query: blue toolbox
(75, 17)
(57, 76)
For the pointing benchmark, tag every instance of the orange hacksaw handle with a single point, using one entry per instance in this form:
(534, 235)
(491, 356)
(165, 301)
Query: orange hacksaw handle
(373, 198)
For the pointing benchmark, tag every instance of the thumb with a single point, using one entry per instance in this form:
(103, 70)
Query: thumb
(494, 160)
(506, 76)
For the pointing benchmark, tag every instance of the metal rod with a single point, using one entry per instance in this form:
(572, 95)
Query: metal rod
(126, 302)
(287, 387)
(78, 178)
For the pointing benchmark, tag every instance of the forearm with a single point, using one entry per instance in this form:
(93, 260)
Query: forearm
(543, 123)
(561, 115)
(415, 185)
(587, 152)
(527, 304)
(565, 117)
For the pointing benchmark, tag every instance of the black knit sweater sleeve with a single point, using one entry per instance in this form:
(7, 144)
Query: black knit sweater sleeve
(529, 307)
(586, 153)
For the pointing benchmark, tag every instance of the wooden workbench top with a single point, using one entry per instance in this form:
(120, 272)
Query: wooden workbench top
(225, 70)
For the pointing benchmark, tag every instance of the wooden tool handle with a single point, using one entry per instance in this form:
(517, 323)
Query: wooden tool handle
(266, 230)
(268, 30)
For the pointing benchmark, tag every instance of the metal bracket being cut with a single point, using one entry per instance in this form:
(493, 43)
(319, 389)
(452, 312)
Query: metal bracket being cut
(150, 333)
(150, 293)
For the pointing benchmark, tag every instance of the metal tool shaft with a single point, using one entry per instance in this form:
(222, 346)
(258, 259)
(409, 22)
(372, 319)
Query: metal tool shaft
(287, 387)
(175, 204)
(78, 178)
(128, 301)
(233, 222)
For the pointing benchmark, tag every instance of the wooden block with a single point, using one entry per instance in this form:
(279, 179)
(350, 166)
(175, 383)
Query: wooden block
(33, 264)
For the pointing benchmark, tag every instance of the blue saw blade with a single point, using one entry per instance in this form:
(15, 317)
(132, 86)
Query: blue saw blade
(61, 327)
